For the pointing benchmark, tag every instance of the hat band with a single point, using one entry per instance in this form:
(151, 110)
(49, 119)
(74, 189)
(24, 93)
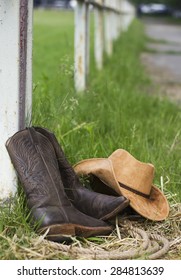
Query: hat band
(134, 191)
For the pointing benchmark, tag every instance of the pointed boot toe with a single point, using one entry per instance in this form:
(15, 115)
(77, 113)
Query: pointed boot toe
(34, 159)
(116, 206)
(100, 206)
(58, 229)
(97, 205)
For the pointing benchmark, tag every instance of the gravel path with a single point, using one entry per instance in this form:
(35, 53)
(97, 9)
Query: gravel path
(163, 58)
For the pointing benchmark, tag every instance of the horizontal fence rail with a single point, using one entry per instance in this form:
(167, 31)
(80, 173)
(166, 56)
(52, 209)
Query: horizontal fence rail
(111, 18)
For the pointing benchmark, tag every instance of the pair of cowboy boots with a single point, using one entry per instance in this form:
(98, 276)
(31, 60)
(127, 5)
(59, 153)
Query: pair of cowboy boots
(58, 202)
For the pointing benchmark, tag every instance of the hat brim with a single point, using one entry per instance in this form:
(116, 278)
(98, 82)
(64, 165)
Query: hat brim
(155, 207)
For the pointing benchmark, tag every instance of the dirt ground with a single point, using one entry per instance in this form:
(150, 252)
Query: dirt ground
(163, 57)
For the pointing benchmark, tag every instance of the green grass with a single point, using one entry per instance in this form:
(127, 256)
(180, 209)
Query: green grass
(116, 111)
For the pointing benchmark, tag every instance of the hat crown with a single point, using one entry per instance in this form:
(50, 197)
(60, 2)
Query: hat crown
(132, 172)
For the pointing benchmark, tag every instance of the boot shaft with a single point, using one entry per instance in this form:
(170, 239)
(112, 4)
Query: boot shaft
(70, 179)
(35, 161)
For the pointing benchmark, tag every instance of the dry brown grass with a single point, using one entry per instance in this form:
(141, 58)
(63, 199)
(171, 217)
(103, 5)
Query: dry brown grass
(130, 240)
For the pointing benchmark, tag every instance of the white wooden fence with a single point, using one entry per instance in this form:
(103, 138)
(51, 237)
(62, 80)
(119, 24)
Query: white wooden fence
(111, 17)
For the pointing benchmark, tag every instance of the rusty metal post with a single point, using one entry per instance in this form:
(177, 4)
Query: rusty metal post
(15, 81)
(81, 55)
(29, 36)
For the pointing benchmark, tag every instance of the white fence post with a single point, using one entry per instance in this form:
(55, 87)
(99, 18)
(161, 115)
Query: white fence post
(113, 21)
(99, 36)
(108, 30)
(15, 81)
(81, 45)
(128, 14)
(118, 18)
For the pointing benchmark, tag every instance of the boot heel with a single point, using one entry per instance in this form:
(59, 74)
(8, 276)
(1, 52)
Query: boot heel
(61, 233)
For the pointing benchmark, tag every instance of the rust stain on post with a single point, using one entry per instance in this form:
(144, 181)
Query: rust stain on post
(80, 68)
(81, 38)
(23, 61)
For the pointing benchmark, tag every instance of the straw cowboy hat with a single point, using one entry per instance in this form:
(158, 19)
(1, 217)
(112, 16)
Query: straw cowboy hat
(131, 178)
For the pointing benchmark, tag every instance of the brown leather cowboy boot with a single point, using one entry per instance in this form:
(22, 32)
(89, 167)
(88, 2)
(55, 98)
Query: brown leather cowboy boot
(34, 159)
(94, 204)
